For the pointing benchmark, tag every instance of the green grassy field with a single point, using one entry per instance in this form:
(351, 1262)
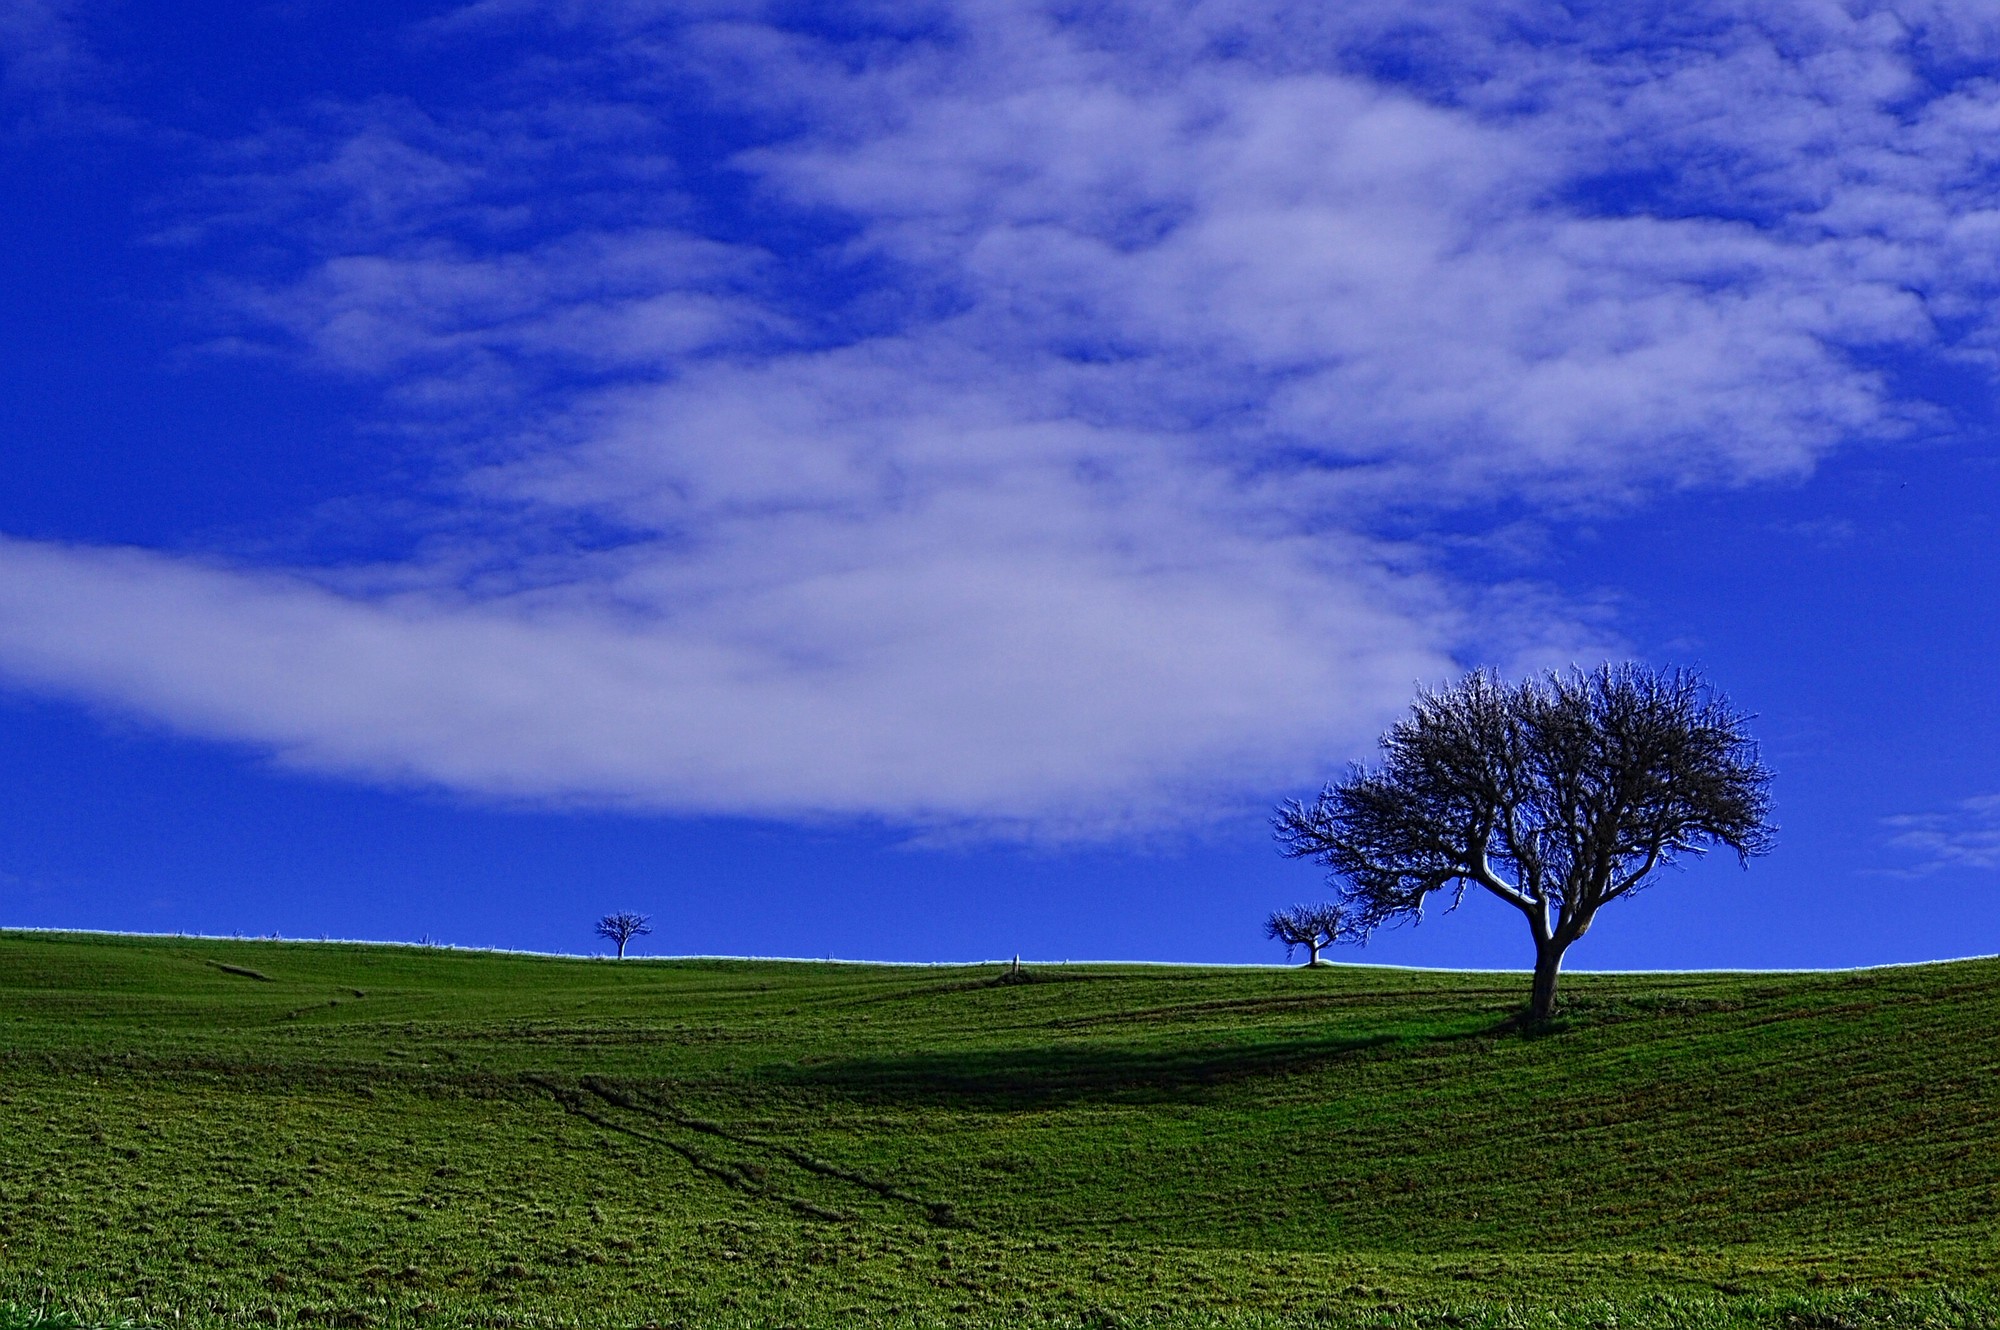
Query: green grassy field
(239, 1133)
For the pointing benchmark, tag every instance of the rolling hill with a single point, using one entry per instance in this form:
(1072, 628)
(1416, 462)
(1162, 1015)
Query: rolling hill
(206, 1133)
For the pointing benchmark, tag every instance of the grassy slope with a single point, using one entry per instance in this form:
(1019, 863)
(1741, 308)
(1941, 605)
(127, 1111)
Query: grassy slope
(374, 1135)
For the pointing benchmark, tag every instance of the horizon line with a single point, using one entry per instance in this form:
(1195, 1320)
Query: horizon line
(963, 964)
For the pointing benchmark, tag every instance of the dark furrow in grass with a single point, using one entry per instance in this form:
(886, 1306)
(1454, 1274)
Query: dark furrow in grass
(1346, 1002)
(938, 1212)
(571, 1102)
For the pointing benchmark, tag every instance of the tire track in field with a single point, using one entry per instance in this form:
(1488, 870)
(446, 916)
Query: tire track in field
(591, 1097)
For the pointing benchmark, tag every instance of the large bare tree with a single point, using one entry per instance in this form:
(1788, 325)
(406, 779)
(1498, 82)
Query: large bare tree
(1558, 795)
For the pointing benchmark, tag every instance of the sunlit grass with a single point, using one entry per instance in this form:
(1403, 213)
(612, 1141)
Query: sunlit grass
(211, 1133)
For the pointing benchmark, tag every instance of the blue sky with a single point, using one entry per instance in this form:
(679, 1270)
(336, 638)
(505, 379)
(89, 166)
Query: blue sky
(920, 482)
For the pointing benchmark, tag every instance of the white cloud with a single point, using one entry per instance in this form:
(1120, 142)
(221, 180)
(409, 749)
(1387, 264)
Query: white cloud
(950, 669)
(1018, 455)
(636, 300)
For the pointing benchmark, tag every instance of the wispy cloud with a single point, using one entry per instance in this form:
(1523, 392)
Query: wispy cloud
(1002, 430)
(1966, 836)
(49, 76)
(38, 43)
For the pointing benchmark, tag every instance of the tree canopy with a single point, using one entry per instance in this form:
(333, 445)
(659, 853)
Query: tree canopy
(1558, 795)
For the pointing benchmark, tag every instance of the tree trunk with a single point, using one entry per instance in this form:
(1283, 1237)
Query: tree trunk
(621, 948)
(1548, 961)
(1312, 954)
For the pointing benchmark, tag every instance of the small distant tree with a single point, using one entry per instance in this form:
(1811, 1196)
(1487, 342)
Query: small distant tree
(1312, 927)
(622, 927)
(1558, 795)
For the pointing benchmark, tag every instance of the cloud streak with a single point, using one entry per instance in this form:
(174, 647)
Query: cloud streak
(1005, 428)
(1967, 836)
(1017, 682)
(39, 47)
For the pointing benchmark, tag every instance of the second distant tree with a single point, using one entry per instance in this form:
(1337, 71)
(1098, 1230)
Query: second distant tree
(622, 926)
(1314, 927)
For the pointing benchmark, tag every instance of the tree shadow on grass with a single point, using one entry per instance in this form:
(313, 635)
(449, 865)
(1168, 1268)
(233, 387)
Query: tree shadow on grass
(1054, 1074)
